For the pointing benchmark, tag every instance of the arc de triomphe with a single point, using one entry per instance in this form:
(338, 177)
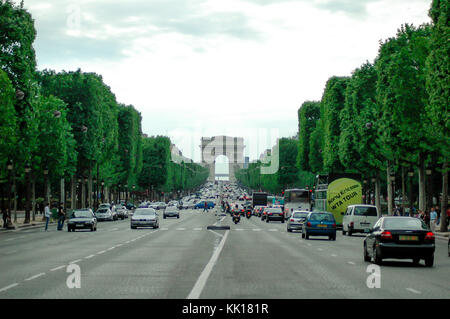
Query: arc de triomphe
(231, 147)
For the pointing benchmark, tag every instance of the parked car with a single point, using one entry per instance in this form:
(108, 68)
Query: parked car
(319, 223)
(295, 222)
(82, 219)
(171, 211)
(104, 213)
(274, 213)
(144, 217)
(400, 238)
(359, 219)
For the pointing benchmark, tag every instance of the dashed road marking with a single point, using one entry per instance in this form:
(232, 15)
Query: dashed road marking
(8, 287)
(89, 257)
(75, 261)
(35, 276)
(58, 268)
(414, 291)
(351, 263)
(101, 252)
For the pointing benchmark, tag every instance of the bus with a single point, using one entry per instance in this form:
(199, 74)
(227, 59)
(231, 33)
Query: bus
(296, 199)
(335, 192)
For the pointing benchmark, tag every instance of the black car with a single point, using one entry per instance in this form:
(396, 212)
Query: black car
(274, 213)
(82, 219)
(400, 238)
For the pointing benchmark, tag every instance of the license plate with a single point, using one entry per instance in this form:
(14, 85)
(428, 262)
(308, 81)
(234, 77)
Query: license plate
(323, 226)
(409, 238)
(80, 225)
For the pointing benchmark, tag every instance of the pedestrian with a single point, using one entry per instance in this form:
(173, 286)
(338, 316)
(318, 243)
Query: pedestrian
(47, 215)
(448, 217)
(41, 207)
(205, 209)
(5, 218)
(438, 212)
(433, 217)
(61, 217)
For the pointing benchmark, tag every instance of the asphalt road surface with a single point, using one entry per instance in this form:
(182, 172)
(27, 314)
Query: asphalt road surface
(182, 259)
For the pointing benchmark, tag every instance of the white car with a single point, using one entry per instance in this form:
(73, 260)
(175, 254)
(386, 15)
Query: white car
(144, 217)
(359, 219)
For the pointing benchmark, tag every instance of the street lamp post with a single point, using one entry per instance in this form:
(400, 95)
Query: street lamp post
(79, 192)
(95, 192)
(85, 192)
(126, 193)
(102, 196)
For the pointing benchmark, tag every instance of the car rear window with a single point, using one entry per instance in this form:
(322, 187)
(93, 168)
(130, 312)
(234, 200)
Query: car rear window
(365, 211)
(300, 215)
(404, 223)
(322, 217)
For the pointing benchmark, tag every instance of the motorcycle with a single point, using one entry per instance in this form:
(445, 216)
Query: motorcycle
(236, 219)
(249, 214)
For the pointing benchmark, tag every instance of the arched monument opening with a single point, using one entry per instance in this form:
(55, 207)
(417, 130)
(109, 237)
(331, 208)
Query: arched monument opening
(222, 169)
(230, 147)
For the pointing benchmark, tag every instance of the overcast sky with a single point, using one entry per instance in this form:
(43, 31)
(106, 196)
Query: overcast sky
(220, 67)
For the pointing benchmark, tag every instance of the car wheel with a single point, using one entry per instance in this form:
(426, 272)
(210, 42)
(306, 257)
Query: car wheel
(267, 220)
(306, 236)
(164, 217)
(92, 228)
(377, 259)
(366, 255)
(178, 216)
(416, 261)
(429, 261)
(282, 221)
(303, 235)
(289, 230)
(133, 227)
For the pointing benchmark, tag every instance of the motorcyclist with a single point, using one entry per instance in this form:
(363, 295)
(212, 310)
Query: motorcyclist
(236, 216)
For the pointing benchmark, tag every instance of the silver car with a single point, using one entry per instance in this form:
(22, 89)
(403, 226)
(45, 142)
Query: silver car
(171, 211)
(145, 217)
(295, 222)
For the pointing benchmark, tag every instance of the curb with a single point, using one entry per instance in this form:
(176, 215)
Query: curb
(23, 227)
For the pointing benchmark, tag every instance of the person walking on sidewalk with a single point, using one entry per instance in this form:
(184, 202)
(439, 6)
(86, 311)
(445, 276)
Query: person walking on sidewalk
(61, 217)
(47, 215)
(433, 217)
(205, 209)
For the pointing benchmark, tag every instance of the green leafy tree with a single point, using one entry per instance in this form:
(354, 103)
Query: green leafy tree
(308, 115)
(437, 85)
(8, 125)
(332, 104)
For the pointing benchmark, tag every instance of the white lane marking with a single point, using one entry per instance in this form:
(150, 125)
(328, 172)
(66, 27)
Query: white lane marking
(9, 239)
(201, 281)
(119, 245)
(111, 248)
(239, 229)
(114, 229)
(319, 249)
(127, 242)
(164, 228)
(75, 261)
(256, 229)
(272, 229)
(8, 287)
(413, 291)
(309, 245)
(101, 252)
(57, 268)
(21, 237)
(89, 257)
(197, 229)
(351, 263)
(35, 276)
(333, 255)
(215, 233)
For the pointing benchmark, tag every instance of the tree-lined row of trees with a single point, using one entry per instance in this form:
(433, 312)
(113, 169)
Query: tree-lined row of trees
(389, 117)
(278, 172)
(66, 133)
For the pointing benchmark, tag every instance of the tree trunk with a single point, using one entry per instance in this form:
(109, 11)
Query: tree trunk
(83, 194)
(403, 190)
(389, 189)
(28, 199)
(444, 200)
(63, 192)
(73, 195)
(422, 197)
(90, 189)
(378, 191)
(33, 197)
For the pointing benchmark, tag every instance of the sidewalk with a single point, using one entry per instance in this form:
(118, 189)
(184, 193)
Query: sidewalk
(19, 225)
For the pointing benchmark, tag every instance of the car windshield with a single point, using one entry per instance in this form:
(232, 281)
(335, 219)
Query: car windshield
(322, 217)
(365, 211)
(102, 211)
(404, 223)
(81, 214)
(300, 215)
(144, 212)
